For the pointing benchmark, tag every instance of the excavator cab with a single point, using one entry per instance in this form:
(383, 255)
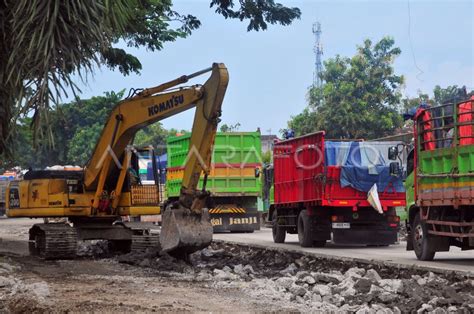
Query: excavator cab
(143, 192)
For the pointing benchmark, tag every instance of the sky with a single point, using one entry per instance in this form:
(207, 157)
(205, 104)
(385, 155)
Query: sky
(270, 71)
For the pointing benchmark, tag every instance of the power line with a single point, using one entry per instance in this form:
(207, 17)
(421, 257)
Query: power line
(420, 71)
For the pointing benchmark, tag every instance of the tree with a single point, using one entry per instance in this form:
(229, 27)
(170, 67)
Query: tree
(45, 43)
(154, 135)
(76, 129)
(82, 144)
(440, 95)
(25, 154)
(409, 103)
(267, 157)
(303, 123)
(230, 128)
(451, 93)
(82, 122)
(360, 97)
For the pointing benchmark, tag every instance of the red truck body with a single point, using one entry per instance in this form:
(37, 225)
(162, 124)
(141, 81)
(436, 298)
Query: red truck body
(308, 190)
(302, 176)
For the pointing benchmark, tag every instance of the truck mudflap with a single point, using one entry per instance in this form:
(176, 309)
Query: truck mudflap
(233, 222)
(365, 237)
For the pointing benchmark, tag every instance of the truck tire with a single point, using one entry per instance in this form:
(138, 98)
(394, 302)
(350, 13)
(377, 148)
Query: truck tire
(422, 244)
(279, 233)
(305, 230)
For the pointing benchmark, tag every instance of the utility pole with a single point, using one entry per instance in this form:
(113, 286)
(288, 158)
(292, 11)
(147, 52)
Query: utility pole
(318, 51)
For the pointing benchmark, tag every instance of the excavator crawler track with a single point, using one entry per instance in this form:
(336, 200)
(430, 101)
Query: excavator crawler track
(141, 243)
(144, 236)
(53, 241)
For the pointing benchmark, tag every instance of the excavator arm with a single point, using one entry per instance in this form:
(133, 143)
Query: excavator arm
(185, 226)
(208, 112)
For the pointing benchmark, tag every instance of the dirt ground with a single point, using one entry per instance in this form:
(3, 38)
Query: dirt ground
(105, 285)
(98, 285)
(222, 278)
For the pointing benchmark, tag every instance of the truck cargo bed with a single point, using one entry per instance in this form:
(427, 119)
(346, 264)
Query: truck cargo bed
(313, 171)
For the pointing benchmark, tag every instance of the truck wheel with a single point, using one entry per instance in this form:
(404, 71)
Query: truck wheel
(421, 242)
(305, 235)
(279, 233)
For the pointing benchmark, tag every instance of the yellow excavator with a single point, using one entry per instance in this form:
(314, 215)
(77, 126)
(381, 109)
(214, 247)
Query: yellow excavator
(94, 199)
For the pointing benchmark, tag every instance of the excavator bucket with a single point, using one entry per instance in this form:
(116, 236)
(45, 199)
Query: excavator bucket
(184, 232)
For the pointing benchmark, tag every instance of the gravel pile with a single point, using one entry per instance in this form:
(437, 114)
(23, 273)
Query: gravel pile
(304, 283)
(356, 290)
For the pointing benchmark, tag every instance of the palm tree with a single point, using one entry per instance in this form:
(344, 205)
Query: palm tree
(46, 42)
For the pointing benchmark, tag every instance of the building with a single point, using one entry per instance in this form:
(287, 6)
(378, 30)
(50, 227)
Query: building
(267, 142)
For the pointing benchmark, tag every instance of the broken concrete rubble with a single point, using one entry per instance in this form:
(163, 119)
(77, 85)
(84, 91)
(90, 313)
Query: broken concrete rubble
(285, 282)
(372, 274)
(316, 285)
(322, 290)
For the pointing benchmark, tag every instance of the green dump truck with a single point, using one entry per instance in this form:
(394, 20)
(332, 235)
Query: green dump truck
(440, 181)
(234, 180)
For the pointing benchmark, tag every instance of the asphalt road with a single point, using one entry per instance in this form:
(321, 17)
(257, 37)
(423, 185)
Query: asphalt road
(14, 236)
(395, 254)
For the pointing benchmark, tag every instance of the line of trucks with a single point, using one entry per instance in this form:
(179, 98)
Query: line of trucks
(324, 189)
(301, 178)
(347, 191)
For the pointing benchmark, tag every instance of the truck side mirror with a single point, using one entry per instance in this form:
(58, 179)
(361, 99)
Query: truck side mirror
(395, 169)
(257, 172)
(393, 153)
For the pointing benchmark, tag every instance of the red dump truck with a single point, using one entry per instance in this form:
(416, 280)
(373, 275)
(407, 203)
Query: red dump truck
(322, 189)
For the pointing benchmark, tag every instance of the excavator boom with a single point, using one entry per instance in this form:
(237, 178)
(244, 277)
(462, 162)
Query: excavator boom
(185, 226)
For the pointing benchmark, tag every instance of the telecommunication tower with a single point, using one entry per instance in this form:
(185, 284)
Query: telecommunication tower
(318, 51)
